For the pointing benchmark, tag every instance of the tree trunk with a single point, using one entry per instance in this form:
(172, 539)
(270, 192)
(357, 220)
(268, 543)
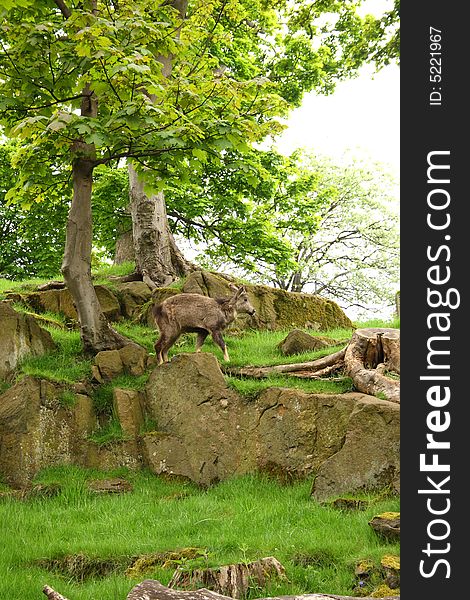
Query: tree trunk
(95, 331)
(370, 353)
(124, 248)
(157, 256)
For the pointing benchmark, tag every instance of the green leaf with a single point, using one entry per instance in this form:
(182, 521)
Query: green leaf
(200, 154)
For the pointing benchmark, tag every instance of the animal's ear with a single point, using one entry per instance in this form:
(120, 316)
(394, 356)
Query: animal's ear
(241, 290)
(233, 287)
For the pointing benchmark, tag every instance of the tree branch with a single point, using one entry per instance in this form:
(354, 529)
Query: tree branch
(64, 9)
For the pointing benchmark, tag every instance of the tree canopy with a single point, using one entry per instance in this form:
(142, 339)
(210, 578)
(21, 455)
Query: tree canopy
(171, 86)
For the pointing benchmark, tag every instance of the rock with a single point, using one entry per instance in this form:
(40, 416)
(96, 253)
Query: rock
(368, 457)
(297, 341)
(213, 433)
(231, 580)
(109, 363)
(133, 295)
(150, 589)
(275, 308)
(131, 359)
(391, 565)
(128, 407)
(37, 432)
(387, 525)
(60, 301)
(113, 455)
(134, 359)
(115, 485)
(20, 336)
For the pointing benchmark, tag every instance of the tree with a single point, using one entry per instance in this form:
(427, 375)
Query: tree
(353, 256)
(31, 245)
(316, 44)
(337, 221)
(73, 79)
(84, 84)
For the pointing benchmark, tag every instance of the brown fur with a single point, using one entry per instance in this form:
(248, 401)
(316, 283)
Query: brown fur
(194, 313)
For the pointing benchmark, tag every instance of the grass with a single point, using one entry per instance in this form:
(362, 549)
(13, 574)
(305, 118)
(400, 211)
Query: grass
(242, 519)
(109, 433)
(65, 365)
(252, 387)
(29, 285)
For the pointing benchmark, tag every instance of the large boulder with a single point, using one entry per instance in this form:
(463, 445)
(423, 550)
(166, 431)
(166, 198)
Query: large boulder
(38, 430)
(207, 432)
(275, 309)
(369, 457)
(20, 336)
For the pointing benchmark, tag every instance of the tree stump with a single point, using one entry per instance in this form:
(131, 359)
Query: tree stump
(371, 353)
(230, 580)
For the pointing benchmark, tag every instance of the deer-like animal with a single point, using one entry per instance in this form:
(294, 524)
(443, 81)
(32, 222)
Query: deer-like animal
(194, 313)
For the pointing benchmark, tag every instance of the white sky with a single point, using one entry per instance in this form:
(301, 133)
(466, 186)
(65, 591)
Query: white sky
(362, 116)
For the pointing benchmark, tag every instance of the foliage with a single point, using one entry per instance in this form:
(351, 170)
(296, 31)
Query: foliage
(32, 235)
(161, 515)
(236, 67)
(336, 225)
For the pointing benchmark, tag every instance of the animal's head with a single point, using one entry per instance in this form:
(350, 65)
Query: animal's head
(241, 301)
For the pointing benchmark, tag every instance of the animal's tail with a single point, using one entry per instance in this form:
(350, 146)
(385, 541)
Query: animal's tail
(159, 313)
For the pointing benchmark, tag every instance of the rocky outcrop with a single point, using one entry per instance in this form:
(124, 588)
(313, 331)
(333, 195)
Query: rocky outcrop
(131, 359)
(60, 301)
(370, 454)
(20, 336)
(207, 432)
(275, 308)
(37, 431)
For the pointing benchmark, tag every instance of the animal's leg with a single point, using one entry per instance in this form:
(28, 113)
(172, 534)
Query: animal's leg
(201, 336)
(168, 344)
(219, 340)
(159, 344)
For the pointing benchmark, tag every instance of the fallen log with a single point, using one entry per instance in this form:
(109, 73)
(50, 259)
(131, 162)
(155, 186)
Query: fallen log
(331, 360)
(150, 589)
(52, 594)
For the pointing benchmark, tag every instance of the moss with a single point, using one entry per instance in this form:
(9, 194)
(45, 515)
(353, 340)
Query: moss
(80, 567)
(166, 560)
(391, 561)
(383, 591)
(297, 309)
(388, 515)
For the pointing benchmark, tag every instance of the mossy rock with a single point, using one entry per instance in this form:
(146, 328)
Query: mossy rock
(166, 560)
(383, 591)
